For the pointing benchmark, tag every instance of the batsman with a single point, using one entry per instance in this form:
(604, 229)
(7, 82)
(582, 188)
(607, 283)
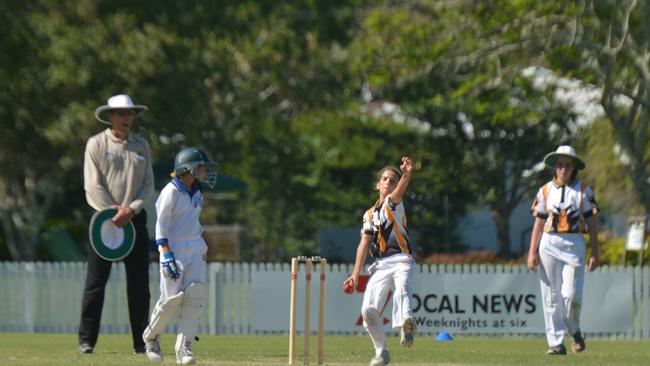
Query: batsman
(182, 254)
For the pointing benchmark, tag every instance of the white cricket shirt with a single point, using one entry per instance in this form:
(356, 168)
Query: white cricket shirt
(387, 226)
(178, 211)
(563, 205)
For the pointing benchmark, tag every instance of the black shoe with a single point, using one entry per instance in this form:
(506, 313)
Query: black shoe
(578, 344)
(138, 350)
(85, 348)
(557, 350)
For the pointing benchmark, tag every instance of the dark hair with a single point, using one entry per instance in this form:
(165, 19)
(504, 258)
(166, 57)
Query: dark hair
(391, 168)
(574, 174)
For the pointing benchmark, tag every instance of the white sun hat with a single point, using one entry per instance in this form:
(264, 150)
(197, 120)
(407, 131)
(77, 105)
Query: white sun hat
(120, 101)
(564, 150)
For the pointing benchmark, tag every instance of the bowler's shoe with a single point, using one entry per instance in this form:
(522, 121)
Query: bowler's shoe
(557, 350)
(578, 343)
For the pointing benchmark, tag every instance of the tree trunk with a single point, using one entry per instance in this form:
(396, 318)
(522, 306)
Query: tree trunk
(25, 204)
(502, 222)
(640, 179)
(9, 236)
(632, 138)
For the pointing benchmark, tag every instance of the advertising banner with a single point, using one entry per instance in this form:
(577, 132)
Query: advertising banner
(459, 303)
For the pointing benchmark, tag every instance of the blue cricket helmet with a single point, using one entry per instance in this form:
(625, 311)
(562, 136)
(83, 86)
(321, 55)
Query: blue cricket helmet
(190, 159)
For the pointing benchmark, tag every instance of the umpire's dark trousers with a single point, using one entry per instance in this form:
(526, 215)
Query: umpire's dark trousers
(137, 287)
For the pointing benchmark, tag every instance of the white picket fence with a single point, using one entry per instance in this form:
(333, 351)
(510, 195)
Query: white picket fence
(46, 296)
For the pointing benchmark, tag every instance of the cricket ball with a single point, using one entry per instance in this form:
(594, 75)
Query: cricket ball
(348, 288)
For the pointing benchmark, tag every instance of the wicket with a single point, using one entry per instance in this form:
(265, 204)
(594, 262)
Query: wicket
(309, 266)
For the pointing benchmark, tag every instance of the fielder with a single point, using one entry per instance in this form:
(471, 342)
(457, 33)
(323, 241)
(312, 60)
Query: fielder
(384, 234)
(182, 254)
(564, 209)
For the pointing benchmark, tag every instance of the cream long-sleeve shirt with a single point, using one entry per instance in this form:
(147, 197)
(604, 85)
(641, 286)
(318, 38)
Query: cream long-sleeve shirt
(117, 172)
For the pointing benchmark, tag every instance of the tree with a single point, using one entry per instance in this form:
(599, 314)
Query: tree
(606, 173)
(608, 46)
(58, 61)
(346, 148)
(275, 90)
(27, 188)
(228, 76)
(458, 68)
(507, 132)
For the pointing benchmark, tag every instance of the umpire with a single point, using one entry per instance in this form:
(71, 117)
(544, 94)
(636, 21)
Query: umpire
(118, 174)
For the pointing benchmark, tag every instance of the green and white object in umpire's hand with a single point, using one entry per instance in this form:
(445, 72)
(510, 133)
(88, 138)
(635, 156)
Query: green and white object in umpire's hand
(109, 241)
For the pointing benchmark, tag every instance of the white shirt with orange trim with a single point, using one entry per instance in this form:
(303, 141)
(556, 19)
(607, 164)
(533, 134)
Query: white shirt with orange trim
(387, 226)
(565, 206)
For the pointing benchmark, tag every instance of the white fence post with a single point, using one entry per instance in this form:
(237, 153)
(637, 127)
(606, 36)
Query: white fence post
(645, 303)
(29, 296)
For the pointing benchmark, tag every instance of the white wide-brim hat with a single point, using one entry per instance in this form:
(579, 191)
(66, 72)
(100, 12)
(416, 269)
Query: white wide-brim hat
(564, 150)
(120, 101)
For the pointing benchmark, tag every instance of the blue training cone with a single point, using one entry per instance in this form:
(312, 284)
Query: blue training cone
(443, 336)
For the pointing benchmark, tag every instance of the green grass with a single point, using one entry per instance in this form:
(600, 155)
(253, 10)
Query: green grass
(56, 349)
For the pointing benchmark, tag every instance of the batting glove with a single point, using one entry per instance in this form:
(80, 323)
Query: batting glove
(168, 266)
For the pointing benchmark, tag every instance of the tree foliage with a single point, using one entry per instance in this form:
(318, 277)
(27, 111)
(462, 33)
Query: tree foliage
(306, 101)
(458, 68)
(607, 45)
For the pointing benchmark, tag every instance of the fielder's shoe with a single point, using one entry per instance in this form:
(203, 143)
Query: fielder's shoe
(85, 347)
(557, 350)
(139, 350)
(578, 343)
(407, 332)
(152, 349)
(185, 356)
(382, 360)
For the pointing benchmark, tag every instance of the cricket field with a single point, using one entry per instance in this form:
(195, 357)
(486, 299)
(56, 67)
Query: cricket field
(61, 349)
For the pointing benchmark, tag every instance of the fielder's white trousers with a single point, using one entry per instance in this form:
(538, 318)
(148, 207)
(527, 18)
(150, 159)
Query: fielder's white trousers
(190, 257)
(385, 273)
(562, 274)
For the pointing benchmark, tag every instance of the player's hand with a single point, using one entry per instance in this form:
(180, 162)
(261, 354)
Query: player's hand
(533, 261)
(123, 215)
(593, 263)
(168, 266)
(352, 280)
(407, 165)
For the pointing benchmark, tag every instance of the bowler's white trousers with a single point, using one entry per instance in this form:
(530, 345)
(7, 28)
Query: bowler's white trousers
(398, 270)
(562, 274)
